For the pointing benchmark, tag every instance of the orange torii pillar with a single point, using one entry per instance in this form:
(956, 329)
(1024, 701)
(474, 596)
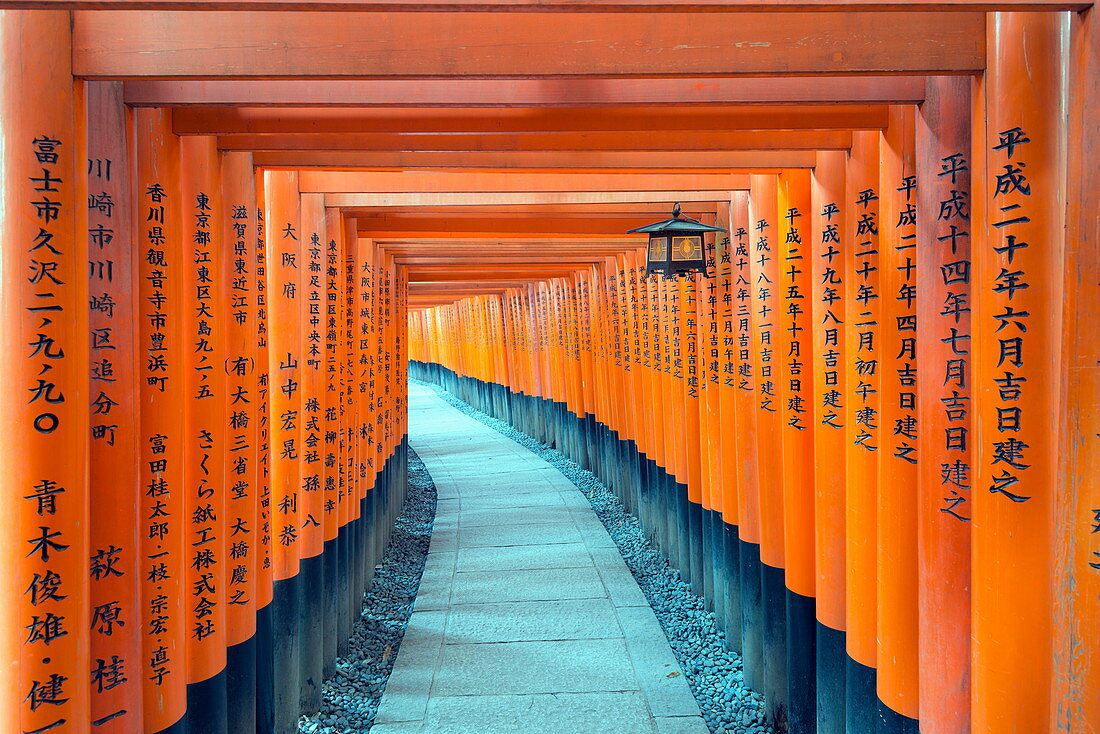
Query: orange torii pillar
(242, 365)
(265, 571)
(163, 272)
(897, 622)
(830, 241)
(945, 408)
(115, 562)
(284, 287)
(1020, 175)
(204, 473)
(765, 289)
(745, 447)
(311, 497)
(723, 374)
(860, 356)
(43, 224)
(1077, 553)
(795, 380)
(330, 456)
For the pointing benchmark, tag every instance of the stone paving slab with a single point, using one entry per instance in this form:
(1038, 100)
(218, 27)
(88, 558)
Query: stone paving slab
(527, 619)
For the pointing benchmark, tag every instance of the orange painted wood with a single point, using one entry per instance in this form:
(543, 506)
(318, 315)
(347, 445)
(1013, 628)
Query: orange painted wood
(1016, 442)
(115, 556)
(206, 404)
(1077, 581)
(591, 94)
(242, 367)
(745, 450)
(602, 6)
(677, 115)
(763, 248)
(45, 646)
(314, 357)
(897, 660)
(862, 426)
(352, 201)
(334, 182)
(162, 278)
(121, 44)
(265, 575)
(829, 241)
(285, 266)
(586, 161)
(641, 139)
(794, 356)
(945, 402)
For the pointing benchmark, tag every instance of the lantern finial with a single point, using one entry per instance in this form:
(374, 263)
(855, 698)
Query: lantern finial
(676, 210)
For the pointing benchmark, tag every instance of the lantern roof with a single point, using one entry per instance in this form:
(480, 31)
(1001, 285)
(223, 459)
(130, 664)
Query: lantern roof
(677, 223)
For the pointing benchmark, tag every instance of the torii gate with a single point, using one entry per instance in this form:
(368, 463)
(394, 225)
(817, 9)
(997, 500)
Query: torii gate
(249, 196)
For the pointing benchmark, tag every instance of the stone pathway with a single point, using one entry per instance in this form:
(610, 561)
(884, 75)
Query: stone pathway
(527, 619)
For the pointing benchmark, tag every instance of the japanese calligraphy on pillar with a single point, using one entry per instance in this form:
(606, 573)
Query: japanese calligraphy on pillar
(1006, 451)
(50, 505)
(114, 518)
(950, 290)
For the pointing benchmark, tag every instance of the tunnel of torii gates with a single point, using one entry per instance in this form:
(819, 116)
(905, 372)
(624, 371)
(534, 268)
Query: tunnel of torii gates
(868, 436)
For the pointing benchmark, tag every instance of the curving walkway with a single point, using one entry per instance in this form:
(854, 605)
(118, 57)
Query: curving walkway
(527, 619)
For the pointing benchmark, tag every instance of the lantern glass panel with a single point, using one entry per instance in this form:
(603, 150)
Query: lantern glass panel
(687, 248)
(658, 249)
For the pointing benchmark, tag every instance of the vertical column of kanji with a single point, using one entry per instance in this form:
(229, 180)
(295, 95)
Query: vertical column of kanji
(354, 409)
(265, 586)
(649, 440)
(688, 368)
(204, 470)
(671, 508)
(796, 438)
(1077, 551)
(943, 302)
(861, 420)
(1016, 328)
(284, 286)
(340, 445)
(115, 566)
(897, 622)
(310, 482)
(699, 373)
(723, 374)
(330, 431)
(764, 248)
(635, 351)
(161, 344)
(242, 526)
(745, 447)
(45, 333)
(829, 230)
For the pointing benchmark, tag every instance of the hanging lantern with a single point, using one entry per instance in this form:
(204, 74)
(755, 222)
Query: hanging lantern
(676, 245)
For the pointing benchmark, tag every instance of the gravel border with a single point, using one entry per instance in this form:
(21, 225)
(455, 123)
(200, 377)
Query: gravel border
(713, 672)
(350, 698)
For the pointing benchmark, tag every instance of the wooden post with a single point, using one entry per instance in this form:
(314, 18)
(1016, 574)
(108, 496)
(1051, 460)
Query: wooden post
(284, 286)
(945, 379)
(1077, 550)
(162, 275)
(765, 288)
(115, 561)
(829, 244)
(1016, 332)
(44, 230)
(860, 356)
(897, 620)
(204, 471)
(795, 380)
(242, 522)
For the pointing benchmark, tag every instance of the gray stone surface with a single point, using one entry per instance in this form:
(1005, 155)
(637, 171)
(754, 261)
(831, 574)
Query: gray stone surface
(527, 619)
